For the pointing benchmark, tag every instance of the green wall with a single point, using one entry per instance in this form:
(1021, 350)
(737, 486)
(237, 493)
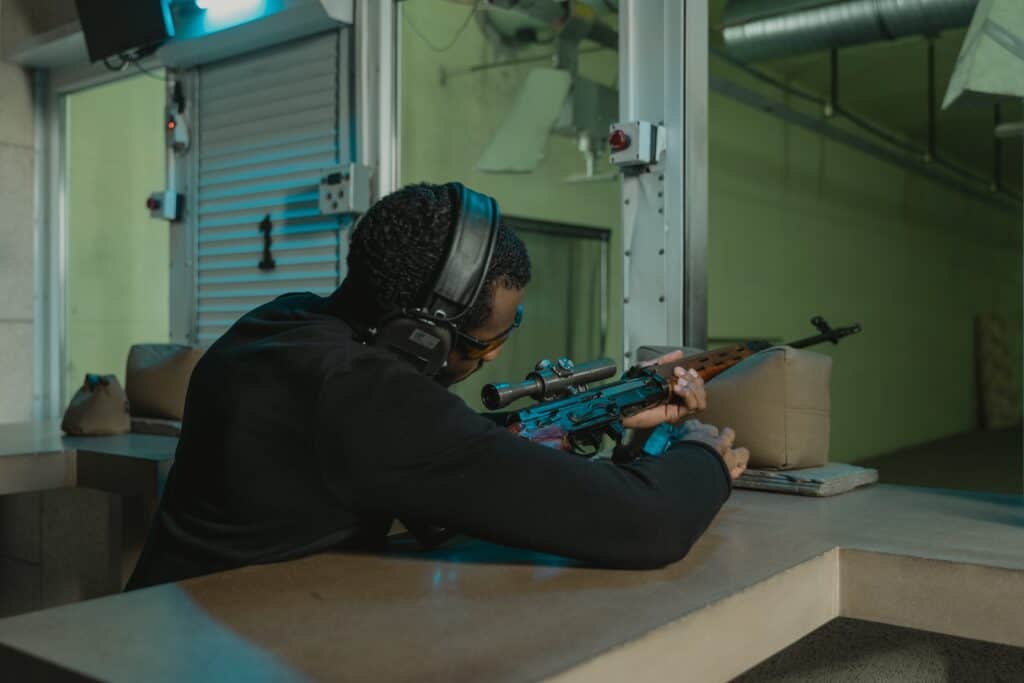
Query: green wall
(117, 256)
(445, 128)
(802, 226)
(799, 226)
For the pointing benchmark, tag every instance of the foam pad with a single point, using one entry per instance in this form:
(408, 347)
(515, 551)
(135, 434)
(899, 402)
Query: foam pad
(157, 379)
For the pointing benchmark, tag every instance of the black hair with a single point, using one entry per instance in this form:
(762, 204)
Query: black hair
(398, 248)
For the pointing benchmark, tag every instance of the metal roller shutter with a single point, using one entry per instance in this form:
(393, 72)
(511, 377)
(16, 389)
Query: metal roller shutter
(269, 124)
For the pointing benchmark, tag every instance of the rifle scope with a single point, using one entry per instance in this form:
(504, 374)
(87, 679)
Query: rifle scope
(548, 381)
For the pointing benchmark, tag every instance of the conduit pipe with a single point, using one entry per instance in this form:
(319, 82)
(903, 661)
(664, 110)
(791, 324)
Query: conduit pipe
(766, 29)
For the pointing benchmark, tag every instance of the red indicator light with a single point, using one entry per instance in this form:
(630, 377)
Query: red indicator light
(618, 140)
(171, 125)
(152, 204)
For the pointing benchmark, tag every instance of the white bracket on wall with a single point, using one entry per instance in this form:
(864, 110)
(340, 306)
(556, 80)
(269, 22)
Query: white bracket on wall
(345, 190)
(167, 205)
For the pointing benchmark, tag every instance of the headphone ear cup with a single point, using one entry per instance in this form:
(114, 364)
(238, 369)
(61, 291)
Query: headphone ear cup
(426, 343)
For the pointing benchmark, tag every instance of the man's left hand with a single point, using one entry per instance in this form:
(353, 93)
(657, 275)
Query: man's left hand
(688, 387)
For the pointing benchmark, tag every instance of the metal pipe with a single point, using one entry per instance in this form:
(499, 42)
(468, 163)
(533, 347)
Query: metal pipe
(833, 90)
(757, 101)
(1010, 130)
(997, 150)
(865, 125)
(930, 153)
(762, 29)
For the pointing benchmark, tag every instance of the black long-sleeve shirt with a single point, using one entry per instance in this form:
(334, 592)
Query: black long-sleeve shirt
(297, 438)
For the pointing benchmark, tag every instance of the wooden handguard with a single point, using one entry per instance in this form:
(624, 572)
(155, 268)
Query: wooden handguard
(710, 363)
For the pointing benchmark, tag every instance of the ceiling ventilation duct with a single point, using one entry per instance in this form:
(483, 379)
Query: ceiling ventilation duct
(765, 29)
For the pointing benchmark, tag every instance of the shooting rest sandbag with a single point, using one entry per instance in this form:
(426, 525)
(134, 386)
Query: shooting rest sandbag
(99, 407)
(157, 379)
(778, 403)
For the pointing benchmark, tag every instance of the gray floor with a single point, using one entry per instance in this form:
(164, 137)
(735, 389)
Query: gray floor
(853, 651)
(988, 461)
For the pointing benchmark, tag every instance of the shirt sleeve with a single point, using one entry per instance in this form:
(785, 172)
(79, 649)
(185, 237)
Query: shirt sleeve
(393, 442)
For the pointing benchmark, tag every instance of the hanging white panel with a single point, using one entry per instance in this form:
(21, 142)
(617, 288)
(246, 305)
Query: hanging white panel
(269, 125)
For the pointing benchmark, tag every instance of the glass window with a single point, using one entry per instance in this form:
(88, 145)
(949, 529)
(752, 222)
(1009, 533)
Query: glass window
(117, 256)
(921, 246)
(481, 102)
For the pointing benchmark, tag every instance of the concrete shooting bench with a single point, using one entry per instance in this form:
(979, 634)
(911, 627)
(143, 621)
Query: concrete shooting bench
(770, 569)
(36, 458)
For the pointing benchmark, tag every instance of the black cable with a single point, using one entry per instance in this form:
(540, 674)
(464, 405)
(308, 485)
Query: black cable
(455, 38)
(134, 61)
(111, 67)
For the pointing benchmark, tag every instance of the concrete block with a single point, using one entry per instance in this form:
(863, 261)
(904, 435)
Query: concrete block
(20, 527)
(20, 587)
(80, 545)
(16, 368)
(23, 20)
(16, 229)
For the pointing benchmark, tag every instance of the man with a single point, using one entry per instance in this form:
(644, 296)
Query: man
(300, 435)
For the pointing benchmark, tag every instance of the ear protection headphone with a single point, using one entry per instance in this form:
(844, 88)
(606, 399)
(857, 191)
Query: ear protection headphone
(426, 334)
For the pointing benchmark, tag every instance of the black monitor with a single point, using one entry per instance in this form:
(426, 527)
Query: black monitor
(115, 27)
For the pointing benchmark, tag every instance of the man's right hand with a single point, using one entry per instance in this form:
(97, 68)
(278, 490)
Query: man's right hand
(721, 442)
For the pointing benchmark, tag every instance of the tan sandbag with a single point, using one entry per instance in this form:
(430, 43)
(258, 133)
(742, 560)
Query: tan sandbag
(157, 379)
(99, 407)
(778, 403)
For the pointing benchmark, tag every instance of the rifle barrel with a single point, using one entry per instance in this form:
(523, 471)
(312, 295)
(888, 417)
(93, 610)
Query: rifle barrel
(831, 336)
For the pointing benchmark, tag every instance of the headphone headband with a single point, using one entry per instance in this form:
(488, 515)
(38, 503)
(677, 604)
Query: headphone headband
(471, 249)
(426, 335)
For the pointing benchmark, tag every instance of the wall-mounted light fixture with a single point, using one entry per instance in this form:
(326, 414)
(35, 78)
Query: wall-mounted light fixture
(216, 15)
(231, 8)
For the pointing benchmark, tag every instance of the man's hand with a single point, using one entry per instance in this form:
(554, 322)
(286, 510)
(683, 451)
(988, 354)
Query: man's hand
(735, 458)
(689, 387)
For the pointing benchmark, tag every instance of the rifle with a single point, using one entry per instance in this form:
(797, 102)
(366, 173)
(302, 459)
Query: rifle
(575, 417)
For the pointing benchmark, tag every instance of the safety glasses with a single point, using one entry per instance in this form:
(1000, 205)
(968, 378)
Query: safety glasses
(476, 349)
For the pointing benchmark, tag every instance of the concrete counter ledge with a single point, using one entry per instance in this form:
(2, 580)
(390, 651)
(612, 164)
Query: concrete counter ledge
(771, 569)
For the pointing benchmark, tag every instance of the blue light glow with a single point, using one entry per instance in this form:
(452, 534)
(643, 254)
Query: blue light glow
(226, 8)
(221, 14)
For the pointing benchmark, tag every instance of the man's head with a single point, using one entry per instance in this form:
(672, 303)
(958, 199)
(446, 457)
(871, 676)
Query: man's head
(397, 251)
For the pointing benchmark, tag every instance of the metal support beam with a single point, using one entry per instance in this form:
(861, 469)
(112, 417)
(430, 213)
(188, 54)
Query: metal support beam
(930, 155)
(997, 150)
(376, 92)
(833, 81)
(45, 335)
(663, 73)
(182, 176)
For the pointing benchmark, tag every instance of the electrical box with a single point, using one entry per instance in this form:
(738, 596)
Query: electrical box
(636, 143)
(345, 189)
(176, 131)
(166, 205)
